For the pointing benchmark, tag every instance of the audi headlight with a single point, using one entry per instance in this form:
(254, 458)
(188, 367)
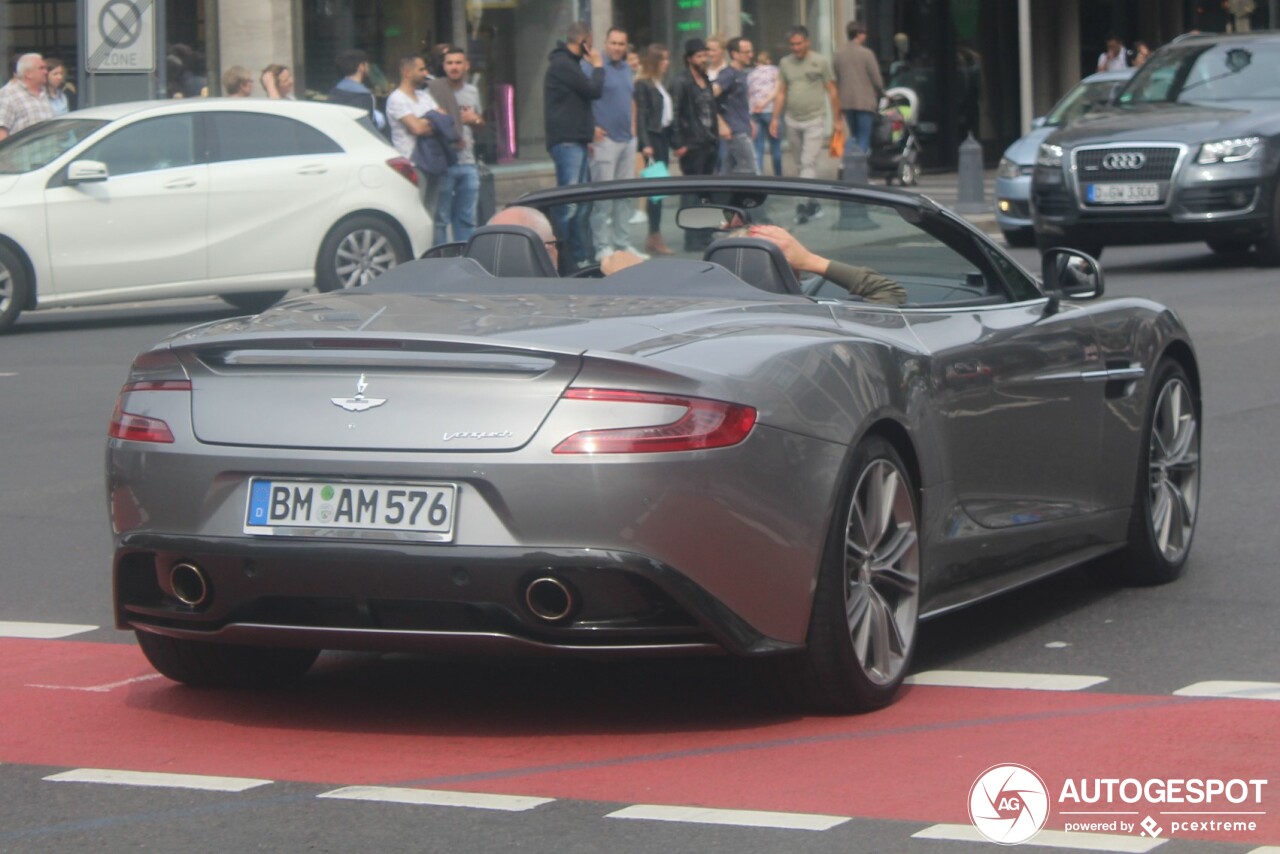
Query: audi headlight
(1008, 169)
(1049, 155)
(1229, 150)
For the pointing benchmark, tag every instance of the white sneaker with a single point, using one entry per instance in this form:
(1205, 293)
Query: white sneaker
(638, 217)
(603, 254)
(629, 248)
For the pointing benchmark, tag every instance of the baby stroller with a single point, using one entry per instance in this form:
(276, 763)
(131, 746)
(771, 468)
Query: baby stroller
(895, 151)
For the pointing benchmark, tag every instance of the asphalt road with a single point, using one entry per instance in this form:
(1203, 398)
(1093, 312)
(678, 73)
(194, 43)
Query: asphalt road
(594, 739)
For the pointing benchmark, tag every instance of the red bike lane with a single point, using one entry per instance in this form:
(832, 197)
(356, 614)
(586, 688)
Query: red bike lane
(547, 734)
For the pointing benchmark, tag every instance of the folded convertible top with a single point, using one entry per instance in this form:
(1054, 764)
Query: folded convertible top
(665, 277)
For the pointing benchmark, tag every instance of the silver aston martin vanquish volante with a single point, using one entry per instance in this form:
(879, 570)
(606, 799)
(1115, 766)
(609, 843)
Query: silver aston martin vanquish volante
(813, 416)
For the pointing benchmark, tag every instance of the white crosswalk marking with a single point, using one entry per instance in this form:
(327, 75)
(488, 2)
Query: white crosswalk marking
(437, 798)
(41, 631)
(741, 818)
(1234, 690)
(156, 779)
(990, 679)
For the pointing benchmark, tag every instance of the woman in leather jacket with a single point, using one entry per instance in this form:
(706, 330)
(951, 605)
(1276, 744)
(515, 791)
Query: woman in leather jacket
(654, 115)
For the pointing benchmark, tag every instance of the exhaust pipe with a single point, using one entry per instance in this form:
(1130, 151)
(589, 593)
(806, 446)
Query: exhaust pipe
(549, 598)
(189, 585)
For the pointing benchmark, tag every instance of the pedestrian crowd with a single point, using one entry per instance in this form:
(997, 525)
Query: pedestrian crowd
(625, 114)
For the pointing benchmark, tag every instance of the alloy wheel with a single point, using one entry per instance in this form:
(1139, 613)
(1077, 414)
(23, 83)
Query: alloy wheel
(882, 571)
(362, 256)
(6, 287)
(1174, 471)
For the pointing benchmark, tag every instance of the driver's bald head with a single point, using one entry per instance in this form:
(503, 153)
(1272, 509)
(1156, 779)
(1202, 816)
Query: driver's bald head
(528, 217)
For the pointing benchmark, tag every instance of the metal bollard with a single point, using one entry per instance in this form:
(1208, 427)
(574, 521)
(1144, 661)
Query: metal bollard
(853, 168)
(853, 171)
(972, 194)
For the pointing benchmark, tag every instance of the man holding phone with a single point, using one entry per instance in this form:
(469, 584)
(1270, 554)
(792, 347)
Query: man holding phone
(567, 94)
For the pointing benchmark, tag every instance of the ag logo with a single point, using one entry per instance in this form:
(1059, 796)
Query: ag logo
(1008, 804)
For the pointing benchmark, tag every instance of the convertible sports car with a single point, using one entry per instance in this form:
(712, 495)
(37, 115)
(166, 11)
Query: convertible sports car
(702, 453)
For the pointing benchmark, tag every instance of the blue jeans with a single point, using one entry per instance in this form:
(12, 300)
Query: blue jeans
(775, 143)
(459, 193)
(860, 122)
(570, 221)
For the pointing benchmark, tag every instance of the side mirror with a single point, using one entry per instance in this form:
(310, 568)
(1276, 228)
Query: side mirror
(87, 172)
(1071, 274)
(446, 250)
(1037, 122)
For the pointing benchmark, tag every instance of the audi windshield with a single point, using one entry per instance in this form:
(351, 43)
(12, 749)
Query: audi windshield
(1205, 73)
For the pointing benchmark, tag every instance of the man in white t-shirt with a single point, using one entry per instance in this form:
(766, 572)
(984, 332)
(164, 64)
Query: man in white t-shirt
(406, 108)
(1114, 57)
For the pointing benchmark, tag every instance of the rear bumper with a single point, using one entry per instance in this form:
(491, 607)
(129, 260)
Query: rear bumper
(401, 597)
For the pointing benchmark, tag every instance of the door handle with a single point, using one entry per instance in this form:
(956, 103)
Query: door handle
(180, 184)
(313, 170)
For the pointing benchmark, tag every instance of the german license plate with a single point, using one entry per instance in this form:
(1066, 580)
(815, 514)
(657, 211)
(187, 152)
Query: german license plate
(416, 511)
(1124, 194)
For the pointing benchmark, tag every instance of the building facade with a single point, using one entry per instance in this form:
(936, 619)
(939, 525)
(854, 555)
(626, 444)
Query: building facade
(980, 67)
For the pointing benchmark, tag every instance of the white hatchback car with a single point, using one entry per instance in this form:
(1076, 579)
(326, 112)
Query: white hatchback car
(241, 198)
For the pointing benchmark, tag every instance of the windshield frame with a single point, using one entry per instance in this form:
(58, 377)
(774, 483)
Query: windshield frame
(44, 133)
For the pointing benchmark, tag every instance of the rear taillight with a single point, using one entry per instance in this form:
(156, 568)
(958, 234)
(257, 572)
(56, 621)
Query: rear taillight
(405, 168)
(138, 428)
(705, 424)
(148, 374)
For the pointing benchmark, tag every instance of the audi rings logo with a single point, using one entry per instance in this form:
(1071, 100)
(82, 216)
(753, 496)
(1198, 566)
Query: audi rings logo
(1009, 804)
(1123, 160)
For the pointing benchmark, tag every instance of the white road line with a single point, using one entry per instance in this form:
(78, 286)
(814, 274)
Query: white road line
(41, 631)
(1234, 690)
(7, 374)
(100, 689)
(1047, 839)
(741, 818)
(150, 778)
(436, 798)
(989, 679)
(1266, 849)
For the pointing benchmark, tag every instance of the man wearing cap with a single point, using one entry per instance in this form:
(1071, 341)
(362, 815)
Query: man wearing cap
(694, 126)
(693, 129)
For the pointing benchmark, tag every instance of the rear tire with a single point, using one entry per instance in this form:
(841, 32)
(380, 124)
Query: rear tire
(356, 251)
(1088, 247)
(1268, 246)
(1167, 494)
(253, 303)
(862, 631)
(15, 289)
(202, 664)
(1230, 248)
(1023, 238)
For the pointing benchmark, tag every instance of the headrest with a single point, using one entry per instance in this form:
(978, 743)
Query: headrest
(758, 262)
(510, 251)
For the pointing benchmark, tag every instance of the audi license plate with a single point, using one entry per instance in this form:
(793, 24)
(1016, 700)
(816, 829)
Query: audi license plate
(294, 508)
(1123, 194)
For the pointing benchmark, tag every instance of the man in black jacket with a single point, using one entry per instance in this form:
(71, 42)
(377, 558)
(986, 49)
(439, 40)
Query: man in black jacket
(567, 95)
(694, 126)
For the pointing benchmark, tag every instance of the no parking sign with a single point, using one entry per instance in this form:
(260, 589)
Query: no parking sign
(121, 36)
